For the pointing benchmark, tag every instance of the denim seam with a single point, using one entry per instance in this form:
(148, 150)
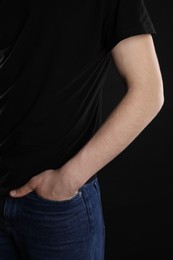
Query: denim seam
(99, 197)
(89, 213)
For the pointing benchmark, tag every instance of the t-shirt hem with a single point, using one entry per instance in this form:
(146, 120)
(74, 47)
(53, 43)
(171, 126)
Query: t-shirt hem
(131, 32)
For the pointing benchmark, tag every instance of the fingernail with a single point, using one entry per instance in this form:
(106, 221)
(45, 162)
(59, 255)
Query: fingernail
(13, 192)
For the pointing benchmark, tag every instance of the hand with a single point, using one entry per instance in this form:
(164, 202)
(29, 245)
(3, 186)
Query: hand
(50, 184)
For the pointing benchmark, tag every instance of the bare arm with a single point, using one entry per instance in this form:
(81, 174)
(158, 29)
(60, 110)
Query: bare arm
(136, 61)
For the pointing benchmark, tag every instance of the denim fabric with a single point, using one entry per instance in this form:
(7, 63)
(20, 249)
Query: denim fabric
(36, 228)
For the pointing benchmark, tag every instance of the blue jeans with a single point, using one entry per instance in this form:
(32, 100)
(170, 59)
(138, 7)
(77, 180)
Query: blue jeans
(36, 228)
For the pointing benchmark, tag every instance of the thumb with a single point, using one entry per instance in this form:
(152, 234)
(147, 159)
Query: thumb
(22, 191)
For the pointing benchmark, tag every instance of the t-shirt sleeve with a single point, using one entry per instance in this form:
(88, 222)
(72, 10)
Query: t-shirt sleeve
(123, 19)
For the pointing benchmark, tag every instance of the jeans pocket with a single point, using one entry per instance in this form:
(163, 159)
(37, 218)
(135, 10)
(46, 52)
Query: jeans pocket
(44, 200)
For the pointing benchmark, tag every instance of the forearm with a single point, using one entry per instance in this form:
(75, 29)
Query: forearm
(121, 127)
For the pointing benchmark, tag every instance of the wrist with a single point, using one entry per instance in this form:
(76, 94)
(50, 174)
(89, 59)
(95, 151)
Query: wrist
(71, 175)
(75, 170)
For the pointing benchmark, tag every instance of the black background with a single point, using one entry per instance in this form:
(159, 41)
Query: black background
(137, 186)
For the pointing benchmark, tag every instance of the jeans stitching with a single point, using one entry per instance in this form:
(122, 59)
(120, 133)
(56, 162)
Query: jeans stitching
(89, 213)
(58, 202)
(100, 201)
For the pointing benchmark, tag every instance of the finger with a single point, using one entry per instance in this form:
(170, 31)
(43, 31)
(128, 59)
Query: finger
(22, 191)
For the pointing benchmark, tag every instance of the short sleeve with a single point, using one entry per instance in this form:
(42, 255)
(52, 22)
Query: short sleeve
(125, 18)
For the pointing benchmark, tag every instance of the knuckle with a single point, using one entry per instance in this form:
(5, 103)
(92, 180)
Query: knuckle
(19, 190)
(32, 180)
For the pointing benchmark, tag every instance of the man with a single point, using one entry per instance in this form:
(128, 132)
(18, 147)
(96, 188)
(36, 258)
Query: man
(54, 62)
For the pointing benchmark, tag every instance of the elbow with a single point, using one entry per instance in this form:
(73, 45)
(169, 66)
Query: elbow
(160, 102)
(157, 99)
(160, 96)
(150, 98)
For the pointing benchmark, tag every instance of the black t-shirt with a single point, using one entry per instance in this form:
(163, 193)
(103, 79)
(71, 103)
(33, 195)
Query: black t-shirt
(54, 58)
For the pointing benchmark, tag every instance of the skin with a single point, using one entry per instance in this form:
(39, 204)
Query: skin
(136, 61)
